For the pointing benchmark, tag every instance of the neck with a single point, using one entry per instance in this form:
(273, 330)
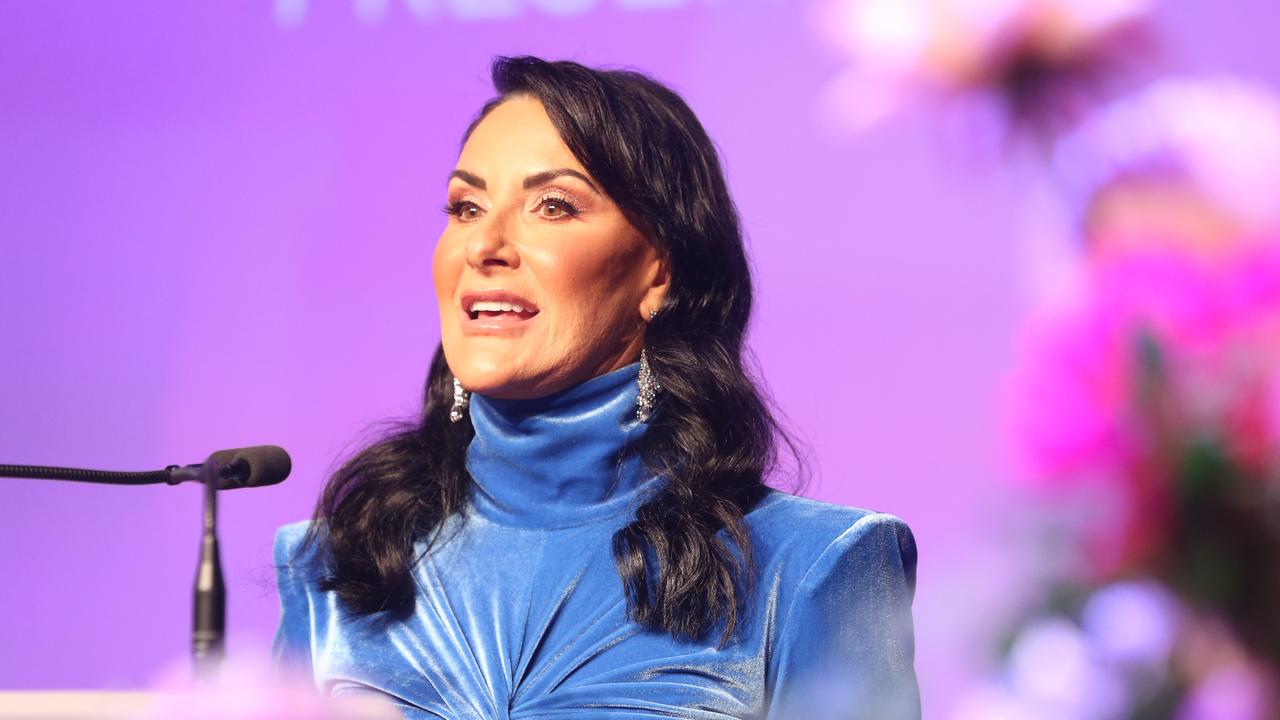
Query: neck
(562, 460)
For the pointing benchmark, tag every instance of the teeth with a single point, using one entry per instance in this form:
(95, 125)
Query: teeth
(493, 306)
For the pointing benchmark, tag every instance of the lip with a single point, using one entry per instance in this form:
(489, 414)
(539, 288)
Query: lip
(504, 324)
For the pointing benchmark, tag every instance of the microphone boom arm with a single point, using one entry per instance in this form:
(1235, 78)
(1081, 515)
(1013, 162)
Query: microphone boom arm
(106, 477)
(232, 469)
(224, 470)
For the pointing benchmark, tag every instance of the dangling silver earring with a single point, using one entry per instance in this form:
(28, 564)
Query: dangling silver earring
(461, 398)
(648, 389)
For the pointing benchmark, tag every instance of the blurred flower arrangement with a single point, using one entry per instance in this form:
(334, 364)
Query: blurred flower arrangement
(1154, 393)
(249, 687)
(1043, 61)
(1146, 404)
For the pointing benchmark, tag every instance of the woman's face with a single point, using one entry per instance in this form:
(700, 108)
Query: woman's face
(542, 281)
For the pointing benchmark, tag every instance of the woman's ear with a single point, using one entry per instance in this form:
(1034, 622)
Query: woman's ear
(657, 280)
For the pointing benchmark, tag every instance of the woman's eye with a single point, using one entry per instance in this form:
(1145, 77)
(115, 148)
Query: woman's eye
(557, 208)
(463, 210)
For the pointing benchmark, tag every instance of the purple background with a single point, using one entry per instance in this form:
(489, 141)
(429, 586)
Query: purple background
(216, 225)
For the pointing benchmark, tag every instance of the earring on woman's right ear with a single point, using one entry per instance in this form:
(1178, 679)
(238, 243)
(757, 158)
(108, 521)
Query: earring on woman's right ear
(649, 387)
(461, 399)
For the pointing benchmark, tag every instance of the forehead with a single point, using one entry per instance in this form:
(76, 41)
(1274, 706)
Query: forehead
(517, 137)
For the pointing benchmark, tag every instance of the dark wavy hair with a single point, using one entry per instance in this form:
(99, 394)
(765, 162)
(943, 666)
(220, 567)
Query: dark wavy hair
(685, 561)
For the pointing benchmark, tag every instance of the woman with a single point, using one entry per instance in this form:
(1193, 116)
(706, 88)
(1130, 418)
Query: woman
(578, 525)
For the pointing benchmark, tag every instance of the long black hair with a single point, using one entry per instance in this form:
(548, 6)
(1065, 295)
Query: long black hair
(685, 560)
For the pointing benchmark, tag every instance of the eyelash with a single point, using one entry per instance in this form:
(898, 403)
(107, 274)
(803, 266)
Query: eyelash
(454, 207)
(570, 208)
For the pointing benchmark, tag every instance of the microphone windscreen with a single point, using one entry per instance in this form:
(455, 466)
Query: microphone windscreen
(266, 465)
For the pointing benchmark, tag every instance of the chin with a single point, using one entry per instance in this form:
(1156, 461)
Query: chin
(490, 374)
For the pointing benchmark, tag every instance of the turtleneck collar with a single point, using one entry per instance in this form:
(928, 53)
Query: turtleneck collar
(556, 461)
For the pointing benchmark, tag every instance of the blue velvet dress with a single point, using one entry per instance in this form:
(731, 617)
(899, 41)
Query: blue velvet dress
(520, 612)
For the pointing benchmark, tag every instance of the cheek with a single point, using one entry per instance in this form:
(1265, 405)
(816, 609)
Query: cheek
(446, 267)
(596, 282)
(446, 270)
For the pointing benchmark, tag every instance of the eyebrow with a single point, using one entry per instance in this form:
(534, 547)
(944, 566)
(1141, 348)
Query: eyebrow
(547, 176)
(532, 181)
(468, 178)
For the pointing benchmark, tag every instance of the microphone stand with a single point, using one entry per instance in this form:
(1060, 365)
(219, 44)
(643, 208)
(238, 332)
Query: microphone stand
(209, 622)
(210, 604)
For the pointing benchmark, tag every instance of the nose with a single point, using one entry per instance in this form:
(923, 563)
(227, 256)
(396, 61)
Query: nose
(489, 246)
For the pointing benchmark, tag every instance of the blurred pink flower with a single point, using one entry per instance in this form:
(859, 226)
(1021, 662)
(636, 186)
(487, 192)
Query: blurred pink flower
(1076, 412)
(1239, 692)
(907, 50)
(1216, 137)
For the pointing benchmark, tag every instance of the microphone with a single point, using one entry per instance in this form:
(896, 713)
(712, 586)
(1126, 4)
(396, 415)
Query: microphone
(230, 469)
(247, 467)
